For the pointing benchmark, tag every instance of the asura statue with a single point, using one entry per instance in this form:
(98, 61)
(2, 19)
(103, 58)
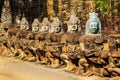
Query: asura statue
(24, 25)
(93, 25)
(73, 24)
(45, 25)
(6, 13)
(56, 25)
(17, 21)
(36, 25)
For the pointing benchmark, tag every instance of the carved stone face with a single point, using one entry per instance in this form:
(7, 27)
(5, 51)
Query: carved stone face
(73, 23)
(93, 24)
(6, 3)
(73, 26)
(56, 25)
(93, 28)
(45, 25)
(36, 25)
(24, 24)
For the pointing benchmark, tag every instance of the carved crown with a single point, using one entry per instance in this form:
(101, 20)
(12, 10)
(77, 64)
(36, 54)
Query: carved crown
(93, 15)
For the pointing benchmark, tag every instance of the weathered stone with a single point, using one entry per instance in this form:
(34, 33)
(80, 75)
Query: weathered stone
(12, 31)
(24, 25)
(52, 48)
(46, 25)
(73, 24)
(115, 54)
(17, 21)
(36, 25)
(69, 65)
(104, 54)
(72, 38)
(100, 39)
(93, 25)
(56, 25)
(6, 16)
(3, 50)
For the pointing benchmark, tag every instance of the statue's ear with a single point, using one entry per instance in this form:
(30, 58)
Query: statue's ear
(98, 24)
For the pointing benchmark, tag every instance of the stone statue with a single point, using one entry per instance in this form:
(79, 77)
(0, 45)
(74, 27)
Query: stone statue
(36, 25)
(56, 25)
(6, 16)
(73, 24)
(93, 25)
(45, 25)
(17, 21)
(24, 25)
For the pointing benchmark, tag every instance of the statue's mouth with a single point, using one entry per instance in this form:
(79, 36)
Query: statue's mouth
(46, 28)
(93, 31)
(57, 29)
(35, 29)
(73, 27)
(23, 27)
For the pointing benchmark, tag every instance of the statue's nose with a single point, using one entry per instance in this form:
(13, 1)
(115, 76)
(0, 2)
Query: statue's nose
(94, 26)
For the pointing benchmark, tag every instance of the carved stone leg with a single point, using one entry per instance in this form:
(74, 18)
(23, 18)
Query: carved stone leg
(13, 51)
(44, 60)
(3, 50)
(114, 71)
(79, 70)
(69, 65)
(21, 53)
(30, 56)
(37, 58)
(54, 62)
(31, 59)
(90, 71)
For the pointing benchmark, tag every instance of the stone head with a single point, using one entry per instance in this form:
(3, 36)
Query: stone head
(93, 25)
(6, 3)
(36, 25)
(73, 23)
(45, 25)
(56, 25)
(24, 24)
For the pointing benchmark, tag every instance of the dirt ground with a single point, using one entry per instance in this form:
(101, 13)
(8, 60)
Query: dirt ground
(14, 69)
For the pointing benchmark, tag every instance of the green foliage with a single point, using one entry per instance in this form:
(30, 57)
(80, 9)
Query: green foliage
(103, 5)
(42, 15)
